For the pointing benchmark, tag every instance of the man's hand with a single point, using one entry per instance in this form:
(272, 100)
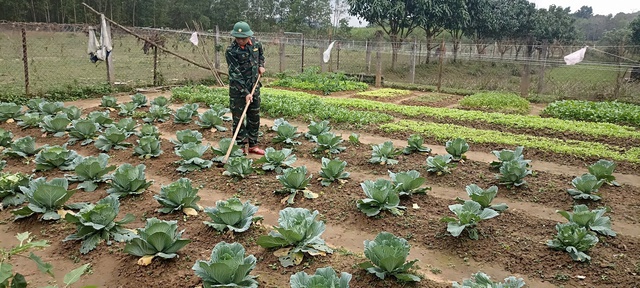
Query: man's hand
(249, 98)
(261, 70)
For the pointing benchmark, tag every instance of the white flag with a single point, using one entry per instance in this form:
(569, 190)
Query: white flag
(327, 53)
(575, 57)
(194, 38)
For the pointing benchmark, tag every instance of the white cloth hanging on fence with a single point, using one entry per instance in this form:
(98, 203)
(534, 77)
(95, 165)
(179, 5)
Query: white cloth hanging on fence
(98, 50)
(194, 38)
(575, 57)
(327, 53)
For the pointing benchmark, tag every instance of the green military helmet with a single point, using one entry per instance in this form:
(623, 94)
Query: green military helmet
(241, 30)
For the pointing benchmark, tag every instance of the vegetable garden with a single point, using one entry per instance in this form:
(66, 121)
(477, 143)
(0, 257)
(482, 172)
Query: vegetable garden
(355, 190)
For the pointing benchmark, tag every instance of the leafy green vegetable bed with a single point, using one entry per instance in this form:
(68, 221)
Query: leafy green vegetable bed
(608, 112)
(325, 82)
(497, 102)
(384, 92)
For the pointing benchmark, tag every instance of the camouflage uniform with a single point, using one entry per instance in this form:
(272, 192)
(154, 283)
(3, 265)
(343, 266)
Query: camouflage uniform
(243, 65)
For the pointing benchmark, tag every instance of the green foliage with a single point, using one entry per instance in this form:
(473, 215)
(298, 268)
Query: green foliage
(128, 125)
(468, 214)
(211, 119)
(311, 79)
(44, 198)
(160, 101)
(182, 116)
(84, 130)
(295, 180)
(506, 155)
(9, 111)
(333, 170)
(128, 180)
(140, 100)
(30, 120)
(512, 173)
(603, 170)
(23, 147)
(605, 112)
(50, 108)
(238, 167)
(109, 102)
(384, 93)
(387, 255)
(384, 153)
(55, 157)
(328, 143)
(317, 128)
(574, 239)
(276, 160)
(223, 147)
(191, 154)
(590, 219)
(481, 280)
(324, 277)
(55, 125)
(439, 164)
(112, 138)
(231, 214)
(127, 109)
(586, 187)
(96, 223)
(416, 142)
(484, 197)
(381, 196)
(186, 136)
(286, 133)
(408, 183)
(10, 188)
(228, 267)
(101, 118)
(456, 148)
(148, 130)
(354, 139)
(158, 238)
(178, 196)
(72, 112)
(193, 108)
(508, 103)
(157, 114)
(148, 147)
(297, 228)
(6, 138)
(33, 105)
(91, 171)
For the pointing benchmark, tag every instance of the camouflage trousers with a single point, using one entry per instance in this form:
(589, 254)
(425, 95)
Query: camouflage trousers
(250, 127)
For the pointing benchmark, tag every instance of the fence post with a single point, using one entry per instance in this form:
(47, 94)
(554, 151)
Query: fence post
(412, 72)
(281, 48)
(109, 61)
(323, 67)
(216, 55)
(525, 81)
(441, 62)
(302, 52)
(543, 55)
(368, 56)
(155, 66)
(378, 59)
(25, 61)
(338, 58)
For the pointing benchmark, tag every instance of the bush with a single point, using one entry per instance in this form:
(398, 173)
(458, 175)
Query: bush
(311, 79)
(608, 112)
(496, 102)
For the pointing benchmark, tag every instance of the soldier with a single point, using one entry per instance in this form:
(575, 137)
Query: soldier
(245, 59)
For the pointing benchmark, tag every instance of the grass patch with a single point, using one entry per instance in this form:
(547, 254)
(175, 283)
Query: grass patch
(508, 103)
(429, 88)
(384, 92)
(433, 97)
(312, 80)
(607, 112)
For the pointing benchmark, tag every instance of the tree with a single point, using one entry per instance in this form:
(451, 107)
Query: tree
(635, 31)
(433, 21)
(483, 24)
(456, 23)
(397, 18)
(584, 12)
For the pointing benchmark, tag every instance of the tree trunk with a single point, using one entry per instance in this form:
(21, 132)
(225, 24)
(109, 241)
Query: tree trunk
(395, 47)
(456, 47)
(428, 50)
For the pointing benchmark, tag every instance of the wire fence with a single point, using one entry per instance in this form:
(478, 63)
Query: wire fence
(57, 58)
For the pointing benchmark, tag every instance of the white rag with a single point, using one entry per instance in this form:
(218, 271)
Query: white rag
(102, 47)
(575, 57)
(194, 38)
(327, 53)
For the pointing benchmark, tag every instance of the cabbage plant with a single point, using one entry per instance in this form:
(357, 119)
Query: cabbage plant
(295, 180)
(228, 267)
(6, 137)
(468, 214)
(573, 239)
(324, 277)
(590, 219)
(193, 107)
(210, 119)
(332, 170)
(456, 148)
(56, 125)
(160, 101)
(108, 102)
(157, 114)
(97, 223)
(45, 198)
(72, 112)
(512, 173)
(182, 116)
(33, 105)
(298, 231)
(328, 143)
(286, 133)
(506, 155)
(50, 108)
(84, 130)
(387, 255)
(381, 196)
(10, 193)
(128, 180)
(23, 147)
(128, 125)
(317, 128)
(238, 167)
(186, 136)
(223, 146)
(408, 183)
(219, 109)
(148, 147)
(354, 139)
(158, 238)
(415, 145)
(179, 196)
(384, 153)
(101, 118)
(30, 120)
(127, 109)
(9, 110)
(603, 170)
(231, 214)
(148, 130)
(481, 280)
(484, 197)
(439, 164)
(277, 160)
(191, 154)
(56, 157)
(112, 138)
(91, 171)
(140, 100)
(586, 187)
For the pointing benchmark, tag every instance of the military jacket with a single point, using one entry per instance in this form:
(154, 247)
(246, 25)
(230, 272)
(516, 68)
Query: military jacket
(243, 67)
